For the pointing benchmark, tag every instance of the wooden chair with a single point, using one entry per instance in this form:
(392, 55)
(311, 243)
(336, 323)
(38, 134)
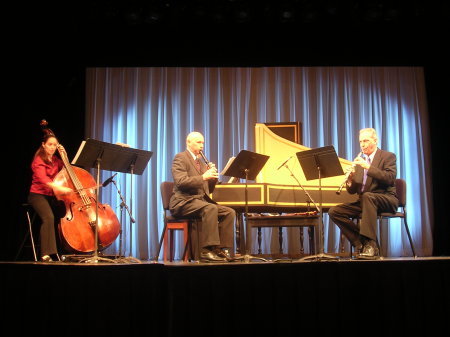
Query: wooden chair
(172, 224)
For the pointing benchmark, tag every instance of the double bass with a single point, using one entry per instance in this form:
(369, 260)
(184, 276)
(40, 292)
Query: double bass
(83, 212)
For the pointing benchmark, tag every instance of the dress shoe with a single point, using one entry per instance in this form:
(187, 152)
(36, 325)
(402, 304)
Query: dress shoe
(227, 253)
(358, 246)
(46, 258)
(370, 251)
(223, 252)
(210, 256)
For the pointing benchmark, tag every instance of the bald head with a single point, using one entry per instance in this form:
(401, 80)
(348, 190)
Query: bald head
(195, 142)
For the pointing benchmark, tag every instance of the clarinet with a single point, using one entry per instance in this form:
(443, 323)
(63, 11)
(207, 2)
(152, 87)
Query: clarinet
(205, 159)
(347, 174)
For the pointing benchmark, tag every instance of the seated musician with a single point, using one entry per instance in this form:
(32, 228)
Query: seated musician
(45, 167)
(193, 182)
(373, 178)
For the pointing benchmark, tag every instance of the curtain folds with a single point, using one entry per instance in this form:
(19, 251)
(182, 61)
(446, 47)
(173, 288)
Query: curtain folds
(154, 108)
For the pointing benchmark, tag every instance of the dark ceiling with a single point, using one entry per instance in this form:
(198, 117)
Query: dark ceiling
(235, 32)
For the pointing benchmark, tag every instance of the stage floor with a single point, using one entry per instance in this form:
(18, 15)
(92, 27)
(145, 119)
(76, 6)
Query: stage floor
(254, 259)
(391, 296)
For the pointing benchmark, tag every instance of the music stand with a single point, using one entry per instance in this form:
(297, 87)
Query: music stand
(100, 155)
(309, 198)
(246, 165)
(320, 163)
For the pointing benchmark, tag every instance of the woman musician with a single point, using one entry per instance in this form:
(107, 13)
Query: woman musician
(45, 166)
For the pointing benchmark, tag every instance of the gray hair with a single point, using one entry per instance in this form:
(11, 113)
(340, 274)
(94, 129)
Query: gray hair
(372, 131)
(193, 134)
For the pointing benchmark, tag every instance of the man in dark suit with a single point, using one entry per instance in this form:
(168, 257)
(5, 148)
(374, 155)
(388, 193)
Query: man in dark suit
(373, 178)
(193, 182)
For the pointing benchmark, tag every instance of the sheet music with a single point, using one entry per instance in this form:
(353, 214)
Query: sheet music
(80, 149)
(233, 180)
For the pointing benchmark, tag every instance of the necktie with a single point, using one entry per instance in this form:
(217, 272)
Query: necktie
(365, 174)
(197, 164)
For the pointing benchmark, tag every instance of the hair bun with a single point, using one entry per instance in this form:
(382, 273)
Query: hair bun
(47, 131)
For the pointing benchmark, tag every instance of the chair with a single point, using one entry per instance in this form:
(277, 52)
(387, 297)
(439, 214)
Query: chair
(172, 224)
(28, 208)
(400, 186)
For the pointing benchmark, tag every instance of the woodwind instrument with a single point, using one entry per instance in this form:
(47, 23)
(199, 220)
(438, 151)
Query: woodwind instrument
(347, 174)
(205, 159)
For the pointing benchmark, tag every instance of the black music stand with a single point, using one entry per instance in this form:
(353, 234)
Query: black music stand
(309, 199)
(247, 165)
(106, 156)
(319, 163)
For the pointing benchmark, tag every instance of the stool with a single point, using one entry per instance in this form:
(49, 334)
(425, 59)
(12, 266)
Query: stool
(169, 238)
(301, 221)
(29, 233)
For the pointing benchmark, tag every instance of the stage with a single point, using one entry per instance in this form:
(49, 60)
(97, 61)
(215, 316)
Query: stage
(388, 297)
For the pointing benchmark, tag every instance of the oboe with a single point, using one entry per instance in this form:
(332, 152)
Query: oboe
(347, 174)
(205, 159)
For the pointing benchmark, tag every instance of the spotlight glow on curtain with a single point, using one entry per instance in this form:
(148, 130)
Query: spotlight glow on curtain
(155, 108)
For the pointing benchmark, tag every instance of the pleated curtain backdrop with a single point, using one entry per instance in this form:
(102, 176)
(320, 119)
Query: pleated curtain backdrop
(154, 108)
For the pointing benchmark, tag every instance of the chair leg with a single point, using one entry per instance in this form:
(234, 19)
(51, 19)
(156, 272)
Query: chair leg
(380, 234)
(409, 235)
(171, 245)
(188, 246)
(30, 234)
(169, 241)
(185, 240)
(166, 243)
(161, 240)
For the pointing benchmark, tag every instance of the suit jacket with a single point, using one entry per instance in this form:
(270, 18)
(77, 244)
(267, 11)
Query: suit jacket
(188, 182)
(380, 176)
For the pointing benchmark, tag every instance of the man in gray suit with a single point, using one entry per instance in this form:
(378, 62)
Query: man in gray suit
(193, 182)
(373, 178)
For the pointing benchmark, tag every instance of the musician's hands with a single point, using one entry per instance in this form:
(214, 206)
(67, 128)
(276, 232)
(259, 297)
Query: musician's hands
(361, 162)
(61, 189)
(350, 176)
(211, 173)
(61, 148)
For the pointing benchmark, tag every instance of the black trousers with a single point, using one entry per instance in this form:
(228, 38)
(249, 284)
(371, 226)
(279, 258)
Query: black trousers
(217, 228)
(368, 206)
(49, 210)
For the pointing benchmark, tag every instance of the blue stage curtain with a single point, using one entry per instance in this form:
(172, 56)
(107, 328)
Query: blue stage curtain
(154, 108)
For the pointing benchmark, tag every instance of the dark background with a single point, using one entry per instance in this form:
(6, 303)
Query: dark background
(48, 47)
